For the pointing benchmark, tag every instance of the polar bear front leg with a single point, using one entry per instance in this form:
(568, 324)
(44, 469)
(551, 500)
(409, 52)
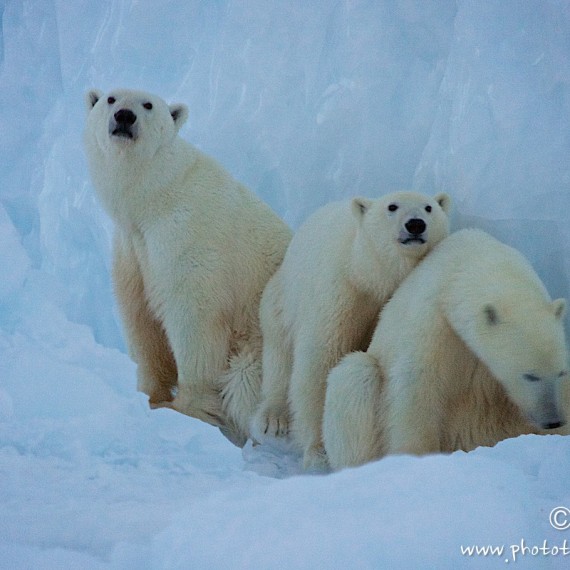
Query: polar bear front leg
(200, 342)
(414, 416)
(352, 424)
(148, 345)
(272, 417)
(307, 398)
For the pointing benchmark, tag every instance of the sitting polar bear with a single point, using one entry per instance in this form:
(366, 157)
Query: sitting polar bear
(340, 268)
(470, 350)
(193, 250)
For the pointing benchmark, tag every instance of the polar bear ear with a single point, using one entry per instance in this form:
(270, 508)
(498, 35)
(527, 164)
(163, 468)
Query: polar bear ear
(91, 97)
(444, 201)
(360, 206)
(559, 308)
(179, 114)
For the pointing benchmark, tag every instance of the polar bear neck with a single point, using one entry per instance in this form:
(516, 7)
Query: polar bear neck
(132, 187)
(375, 271)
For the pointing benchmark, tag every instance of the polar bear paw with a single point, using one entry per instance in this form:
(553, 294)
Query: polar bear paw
(272, 420)
(202, 403)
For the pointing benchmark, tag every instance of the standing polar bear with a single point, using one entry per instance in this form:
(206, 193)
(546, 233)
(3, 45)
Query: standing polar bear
(340, 268)
(193, 250)
(469, 351)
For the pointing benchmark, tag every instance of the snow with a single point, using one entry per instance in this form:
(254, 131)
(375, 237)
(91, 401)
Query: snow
(305, 102)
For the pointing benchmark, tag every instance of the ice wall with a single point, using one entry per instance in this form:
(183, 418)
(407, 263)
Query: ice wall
(305, 102)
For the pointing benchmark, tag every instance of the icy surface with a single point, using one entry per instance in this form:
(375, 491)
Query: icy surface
(305, 102)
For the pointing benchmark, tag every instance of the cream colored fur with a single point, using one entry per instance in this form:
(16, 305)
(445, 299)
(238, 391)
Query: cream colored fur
(340, 268)
(193, 250)
(469, 351)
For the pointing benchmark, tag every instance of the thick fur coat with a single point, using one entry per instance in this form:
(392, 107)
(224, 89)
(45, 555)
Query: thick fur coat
(340, 268)
(469, 351)
(193, 251)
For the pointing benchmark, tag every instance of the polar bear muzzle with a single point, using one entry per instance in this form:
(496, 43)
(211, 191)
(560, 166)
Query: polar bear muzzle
(547, 412)
(413, 232)
(123, 124)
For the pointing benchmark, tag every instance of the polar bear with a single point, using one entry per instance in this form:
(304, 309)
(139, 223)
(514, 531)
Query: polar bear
(340, 268)
(193, 250)
(469, 351)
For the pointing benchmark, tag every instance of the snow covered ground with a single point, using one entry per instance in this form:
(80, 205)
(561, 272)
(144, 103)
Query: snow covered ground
(305, 102)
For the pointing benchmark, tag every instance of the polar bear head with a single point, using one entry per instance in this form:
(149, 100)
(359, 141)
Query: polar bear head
(131, 123)
(411, 222)
(521, 339)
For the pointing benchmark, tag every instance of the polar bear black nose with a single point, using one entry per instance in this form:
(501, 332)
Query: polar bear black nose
(125, 117)
(415, 226)
(553, 425)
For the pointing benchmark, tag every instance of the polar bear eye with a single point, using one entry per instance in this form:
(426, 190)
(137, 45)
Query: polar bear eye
(392, 207)
(531, 377)
(428, 209)
(148, 106)
(111, 100)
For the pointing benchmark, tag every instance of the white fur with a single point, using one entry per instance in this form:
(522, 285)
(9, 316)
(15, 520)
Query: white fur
(193, 251)
(470, 350)
(340, 268)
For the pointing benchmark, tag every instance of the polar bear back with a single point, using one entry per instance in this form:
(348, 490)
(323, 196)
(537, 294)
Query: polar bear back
(313, 258)
(450, 285)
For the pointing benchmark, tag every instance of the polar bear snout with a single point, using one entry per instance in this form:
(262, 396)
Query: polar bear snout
(122, 124)
(553, 421)
(547, 413)
(125, 117)
(552, 417)
(413, 232)
(415, 226)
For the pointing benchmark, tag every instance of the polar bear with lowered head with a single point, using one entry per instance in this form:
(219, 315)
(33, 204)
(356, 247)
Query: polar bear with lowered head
(193, 250)
(469, 351)
(340, 268)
